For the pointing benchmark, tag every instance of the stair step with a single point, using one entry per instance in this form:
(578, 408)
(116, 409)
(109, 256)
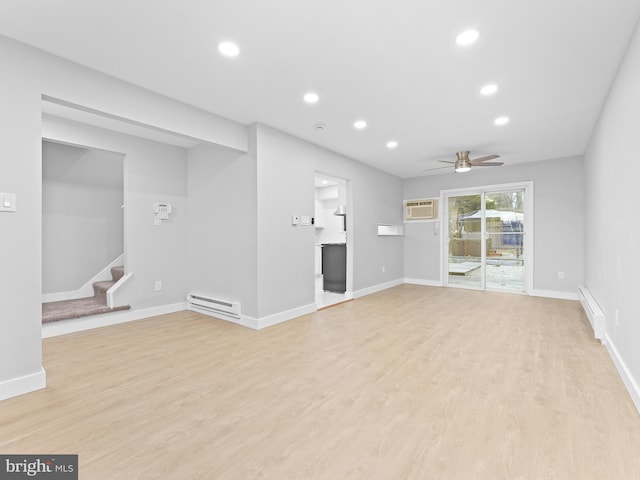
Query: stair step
(117, 273)
(100, 290)
(80, 307)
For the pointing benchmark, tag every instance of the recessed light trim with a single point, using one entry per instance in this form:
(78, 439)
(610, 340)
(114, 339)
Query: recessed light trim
(503, 120)
(360, 125)
(467, 37)
(228, 49)
(391, 144)
(311, 97)
(489, 89)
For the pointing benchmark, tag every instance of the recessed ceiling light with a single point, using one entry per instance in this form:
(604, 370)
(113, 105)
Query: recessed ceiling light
(467, 37)
(228, 49)
(311, 97)
(501, 120)
(391, 144)
(320, 127)
(360, 124)
(489, 89)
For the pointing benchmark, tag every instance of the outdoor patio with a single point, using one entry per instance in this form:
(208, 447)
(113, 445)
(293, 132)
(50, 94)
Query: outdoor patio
(506, 274)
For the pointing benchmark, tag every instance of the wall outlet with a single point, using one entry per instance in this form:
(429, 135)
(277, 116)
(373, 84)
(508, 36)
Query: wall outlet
(560, 275)
(158, 286)
(384, 268)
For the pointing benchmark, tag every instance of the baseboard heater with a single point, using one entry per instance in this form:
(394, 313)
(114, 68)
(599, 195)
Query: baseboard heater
(212, 306)
(593, 311)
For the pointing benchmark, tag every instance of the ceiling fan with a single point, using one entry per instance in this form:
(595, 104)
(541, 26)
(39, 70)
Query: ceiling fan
(463, 163)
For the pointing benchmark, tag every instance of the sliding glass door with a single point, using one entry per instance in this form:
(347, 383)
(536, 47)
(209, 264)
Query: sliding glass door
(484, 238)
(504, 222)
(466, 256)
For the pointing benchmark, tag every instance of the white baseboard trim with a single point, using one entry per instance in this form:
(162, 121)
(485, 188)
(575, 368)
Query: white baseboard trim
(426, 283)
(533, 293)
(244, 320)
(270, 320)
(377, 288)
(632, 385)
(280, 317)
(87, 289)
(21, 385)
(554, 294)
(73, 325)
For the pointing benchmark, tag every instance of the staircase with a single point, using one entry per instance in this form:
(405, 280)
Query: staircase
(100, 288)
(81, 307)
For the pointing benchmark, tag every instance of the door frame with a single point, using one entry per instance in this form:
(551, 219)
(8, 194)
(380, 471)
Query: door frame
(528, 234)
(348, 200)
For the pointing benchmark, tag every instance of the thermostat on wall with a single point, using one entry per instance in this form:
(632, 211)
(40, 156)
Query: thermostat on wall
(161, 212)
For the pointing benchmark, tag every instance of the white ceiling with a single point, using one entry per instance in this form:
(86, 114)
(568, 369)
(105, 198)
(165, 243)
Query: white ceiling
(394, 64)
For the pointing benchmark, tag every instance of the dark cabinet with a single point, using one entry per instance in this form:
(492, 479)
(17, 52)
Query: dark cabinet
(334, 267)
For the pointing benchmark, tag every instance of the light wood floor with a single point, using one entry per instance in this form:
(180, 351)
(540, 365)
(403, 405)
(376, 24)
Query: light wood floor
(410, 383)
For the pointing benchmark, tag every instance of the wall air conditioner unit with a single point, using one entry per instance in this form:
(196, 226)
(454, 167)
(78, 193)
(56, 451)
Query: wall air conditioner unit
(213, 307)
(424, 209)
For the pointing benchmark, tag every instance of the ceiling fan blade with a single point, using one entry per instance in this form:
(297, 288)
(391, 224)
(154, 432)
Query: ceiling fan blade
(436, 168)
(476, 161)
(447, 161)
(487, 164)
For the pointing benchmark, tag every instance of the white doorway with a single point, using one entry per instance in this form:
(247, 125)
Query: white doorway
(333, 252)
(82, 218)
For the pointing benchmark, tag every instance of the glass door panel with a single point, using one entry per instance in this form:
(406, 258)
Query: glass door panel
(504, 223)
(465, 232)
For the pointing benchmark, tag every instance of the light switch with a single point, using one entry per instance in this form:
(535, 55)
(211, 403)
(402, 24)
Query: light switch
(295, 220)
(7, 202)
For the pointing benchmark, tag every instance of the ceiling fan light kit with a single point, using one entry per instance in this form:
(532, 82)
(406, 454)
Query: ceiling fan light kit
(463, 163)
(462, 166)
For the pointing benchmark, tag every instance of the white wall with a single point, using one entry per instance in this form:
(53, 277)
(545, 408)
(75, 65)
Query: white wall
(82, 218)
(28, 74)
(242, 245)
(331, 227)
(154, 173)
(286, 168)
(333, 230)
(222, 225)
(284, 184)
(612, 230)
(21, 239)
(558, 220)
(422, 252)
